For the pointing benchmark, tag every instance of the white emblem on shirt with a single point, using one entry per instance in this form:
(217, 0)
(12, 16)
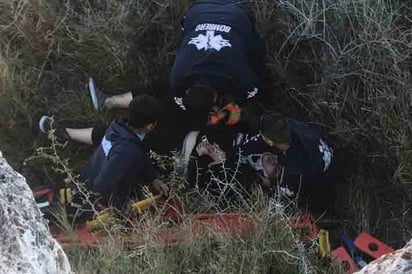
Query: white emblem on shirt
(327, 153)
(209, 41)
(179, 102)
(252, 93)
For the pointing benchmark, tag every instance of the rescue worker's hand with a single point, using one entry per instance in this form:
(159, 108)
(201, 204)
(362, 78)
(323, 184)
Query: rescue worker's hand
(271, 166)
(213, 151)
(128, 210)
(159, 187)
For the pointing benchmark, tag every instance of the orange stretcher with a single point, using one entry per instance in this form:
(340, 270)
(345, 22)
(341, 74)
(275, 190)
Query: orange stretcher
(304, 225)
(183, 230)
(206, 225)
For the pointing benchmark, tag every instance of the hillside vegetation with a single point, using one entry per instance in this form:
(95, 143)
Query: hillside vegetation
(344, 66)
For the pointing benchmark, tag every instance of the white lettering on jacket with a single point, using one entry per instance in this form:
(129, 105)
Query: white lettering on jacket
(213, 27)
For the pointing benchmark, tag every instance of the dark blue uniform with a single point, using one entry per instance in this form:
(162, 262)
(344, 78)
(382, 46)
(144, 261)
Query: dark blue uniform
(119, 165)
(307, 158)
(219, 47)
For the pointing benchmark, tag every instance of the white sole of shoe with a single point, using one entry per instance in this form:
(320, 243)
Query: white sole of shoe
(188, 145)
(42, 123)
(93, 94)
(184, 156)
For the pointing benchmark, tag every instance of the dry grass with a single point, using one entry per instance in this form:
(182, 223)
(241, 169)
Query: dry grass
(274, 249)
(273, 246)
(343, 65)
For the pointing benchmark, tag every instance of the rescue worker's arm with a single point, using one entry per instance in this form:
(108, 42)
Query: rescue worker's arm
(157, 184)
(318, 161)
(151, 172)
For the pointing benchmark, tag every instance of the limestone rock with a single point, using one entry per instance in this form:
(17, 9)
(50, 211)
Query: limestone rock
(26, 245)
(399, 261)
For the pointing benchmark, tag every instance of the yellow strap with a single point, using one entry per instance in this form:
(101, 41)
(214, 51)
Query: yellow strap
(69, 195)
(324, 244)
(62, 197)
(65, 195)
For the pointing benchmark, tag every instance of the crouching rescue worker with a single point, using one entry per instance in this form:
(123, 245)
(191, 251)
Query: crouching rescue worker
(217, 66)
(218, 61)
(286, 154)
(120, 165)
(299, 149)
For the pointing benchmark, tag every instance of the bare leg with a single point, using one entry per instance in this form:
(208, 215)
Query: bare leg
(118, 101)
(81, 135)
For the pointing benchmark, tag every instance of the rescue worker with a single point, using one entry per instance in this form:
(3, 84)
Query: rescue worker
(286, 154)
(120, 164)
(217, 65)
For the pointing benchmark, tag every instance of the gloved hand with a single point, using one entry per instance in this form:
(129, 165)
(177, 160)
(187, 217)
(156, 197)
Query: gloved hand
(213, 151)
(128, 210)
(159, 187)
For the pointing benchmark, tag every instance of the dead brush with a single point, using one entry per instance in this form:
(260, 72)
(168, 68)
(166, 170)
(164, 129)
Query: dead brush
(274, 246)
(71, 179)
(345, 66)
(48, 51)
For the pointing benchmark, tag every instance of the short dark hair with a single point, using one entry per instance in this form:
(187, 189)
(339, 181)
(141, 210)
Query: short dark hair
(143, 110)
(200, 98)
(274, 126)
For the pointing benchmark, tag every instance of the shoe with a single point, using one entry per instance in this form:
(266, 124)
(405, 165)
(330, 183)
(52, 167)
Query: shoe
(183, 158)
(45, 124)
(189, 144)
(98, 98)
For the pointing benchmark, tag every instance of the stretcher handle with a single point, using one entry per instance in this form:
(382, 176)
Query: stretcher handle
(108, 217)
(139, 206)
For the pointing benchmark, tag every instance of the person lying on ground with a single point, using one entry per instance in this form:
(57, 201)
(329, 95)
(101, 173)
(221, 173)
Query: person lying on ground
(120, 164)
(217, 64)
(285, 153)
